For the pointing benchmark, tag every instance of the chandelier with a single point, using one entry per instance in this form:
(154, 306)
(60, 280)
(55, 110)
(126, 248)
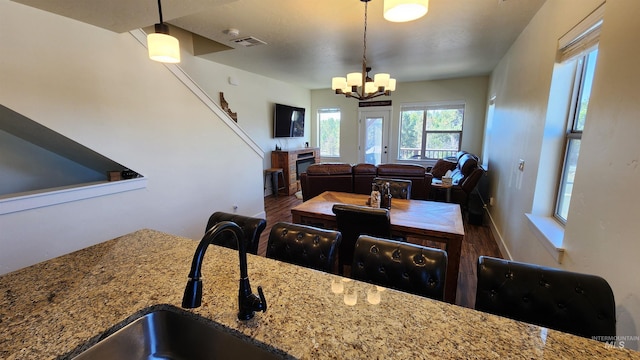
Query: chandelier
(360, 85)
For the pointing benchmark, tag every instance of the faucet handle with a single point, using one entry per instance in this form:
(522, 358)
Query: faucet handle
(263, 301)
(250, 302)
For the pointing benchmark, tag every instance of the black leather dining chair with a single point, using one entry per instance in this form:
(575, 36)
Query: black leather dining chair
(353, 221)
(251, 227)
(575, 303)
(399, 188)
(399, 265)
(304, 245)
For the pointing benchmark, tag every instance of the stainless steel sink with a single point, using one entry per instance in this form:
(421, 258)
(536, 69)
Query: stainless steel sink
(164, 334)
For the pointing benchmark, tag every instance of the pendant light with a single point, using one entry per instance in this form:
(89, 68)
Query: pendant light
(405, 10)
(162, 46)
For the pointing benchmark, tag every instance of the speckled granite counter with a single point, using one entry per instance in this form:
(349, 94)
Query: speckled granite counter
(60, 307)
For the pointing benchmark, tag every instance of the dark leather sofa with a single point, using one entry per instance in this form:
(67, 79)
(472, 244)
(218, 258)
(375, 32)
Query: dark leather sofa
(466, 172)
(358, 178)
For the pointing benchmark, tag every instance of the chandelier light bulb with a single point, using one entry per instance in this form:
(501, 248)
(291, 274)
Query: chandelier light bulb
(381, 80)
(370, 87)
(354, 79)
(392, 85)
(338, 83)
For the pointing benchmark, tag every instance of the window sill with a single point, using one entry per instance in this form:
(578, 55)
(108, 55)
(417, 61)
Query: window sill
(21, 202)
(424, 162)
(549, 233)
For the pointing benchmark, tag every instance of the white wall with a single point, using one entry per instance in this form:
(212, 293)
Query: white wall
(602, 229)
(472, 91)
(100, 89)
(252, 99)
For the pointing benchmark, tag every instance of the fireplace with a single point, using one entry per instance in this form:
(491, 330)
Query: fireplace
(294, 162)
(302, 164)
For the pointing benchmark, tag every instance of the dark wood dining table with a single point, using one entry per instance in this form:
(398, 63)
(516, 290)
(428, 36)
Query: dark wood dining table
(416, 220)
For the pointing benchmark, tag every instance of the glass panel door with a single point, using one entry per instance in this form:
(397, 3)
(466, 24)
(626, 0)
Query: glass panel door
(373, 138)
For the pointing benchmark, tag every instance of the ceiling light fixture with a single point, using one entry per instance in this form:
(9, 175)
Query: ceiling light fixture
(162, 46)
(381, 84)
(405, 10)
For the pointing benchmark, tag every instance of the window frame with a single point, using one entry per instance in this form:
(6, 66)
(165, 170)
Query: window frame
(425, 108)
(573, 133)
(319, 137)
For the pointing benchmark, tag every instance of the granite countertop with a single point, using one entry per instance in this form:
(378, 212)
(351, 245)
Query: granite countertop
(60, 307)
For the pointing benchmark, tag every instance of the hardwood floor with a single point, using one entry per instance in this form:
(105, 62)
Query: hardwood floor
(278, 210)
(478, 241)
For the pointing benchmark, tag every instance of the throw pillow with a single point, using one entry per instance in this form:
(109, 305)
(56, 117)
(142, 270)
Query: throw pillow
(441, 167)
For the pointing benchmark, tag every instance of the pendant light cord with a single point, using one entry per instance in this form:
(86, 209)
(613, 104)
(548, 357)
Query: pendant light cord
(160, 11)
(364, 52)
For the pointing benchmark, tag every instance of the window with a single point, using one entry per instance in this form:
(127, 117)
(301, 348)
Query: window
(585, 69)
(578, 47)
(329, 132)
(430, 131)
(567, 107)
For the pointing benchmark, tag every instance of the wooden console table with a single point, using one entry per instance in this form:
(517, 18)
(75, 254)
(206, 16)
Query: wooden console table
(286, 159)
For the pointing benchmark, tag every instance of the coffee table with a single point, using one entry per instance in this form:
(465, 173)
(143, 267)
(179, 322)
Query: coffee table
(415, 220)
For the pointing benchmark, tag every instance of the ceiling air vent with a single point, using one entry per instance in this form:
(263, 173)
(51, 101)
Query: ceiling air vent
(248, 41)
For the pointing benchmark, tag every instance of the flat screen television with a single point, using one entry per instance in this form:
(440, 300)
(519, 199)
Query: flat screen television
(288, 121)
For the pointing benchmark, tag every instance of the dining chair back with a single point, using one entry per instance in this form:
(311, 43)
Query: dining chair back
(304, 245)
(353, 221)
(251, 227)
(399, 188)
(575, 303)
(399, 265)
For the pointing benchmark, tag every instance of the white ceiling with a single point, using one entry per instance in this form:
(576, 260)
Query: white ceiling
(308, 42)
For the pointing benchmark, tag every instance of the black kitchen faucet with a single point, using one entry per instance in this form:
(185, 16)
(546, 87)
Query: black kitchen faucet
(248, 302)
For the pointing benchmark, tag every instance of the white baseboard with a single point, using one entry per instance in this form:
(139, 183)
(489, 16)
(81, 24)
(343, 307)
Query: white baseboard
(498, 237)
(504, 251)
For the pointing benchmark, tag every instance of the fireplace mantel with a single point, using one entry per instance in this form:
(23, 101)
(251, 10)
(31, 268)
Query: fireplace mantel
(287, 160)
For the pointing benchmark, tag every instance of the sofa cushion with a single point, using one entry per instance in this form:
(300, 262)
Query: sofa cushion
(384, 170)
(365, 169)
(467, 164)
(363, 175)
(329, 169)
(460, 153)
(456, 176)
(323, 177)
